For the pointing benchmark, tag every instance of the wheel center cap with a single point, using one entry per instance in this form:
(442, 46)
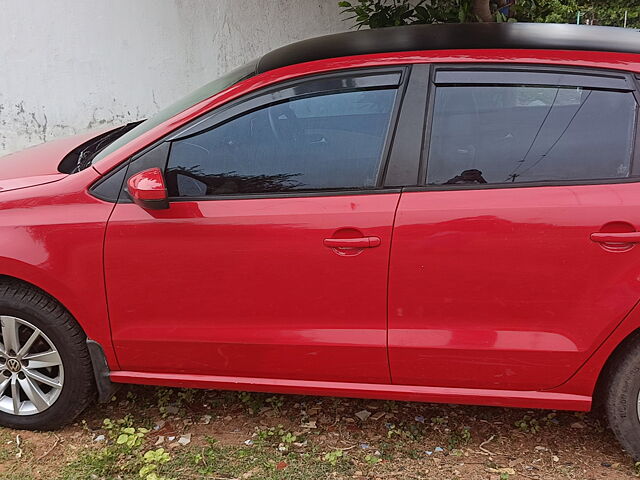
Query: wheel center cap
(13, 365)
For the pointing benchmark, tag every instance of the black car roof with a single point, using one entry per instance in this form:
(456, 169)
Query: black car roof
(455, 36)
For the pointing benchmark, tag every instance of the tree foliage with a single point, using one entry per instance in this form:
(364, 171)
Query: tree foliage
(385, 13)
(609, 12)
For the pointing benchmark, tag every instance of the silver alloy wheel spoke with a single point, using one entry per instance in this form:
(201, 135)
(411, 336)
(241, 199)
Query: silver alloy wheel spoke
(34, 393)
(43, 360)
(31, 372)
(29, 343)
(3, 386)
(10, 334)
(15, 395)
(42, 378)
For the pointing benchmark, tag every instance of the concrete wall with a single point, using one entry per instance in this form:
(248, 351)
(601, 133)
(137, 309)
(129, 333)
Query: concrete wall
(67, 66)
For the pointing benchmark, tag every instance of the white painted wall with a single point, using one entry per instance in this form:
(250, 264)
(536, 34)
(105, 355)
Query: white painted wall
(67, 66)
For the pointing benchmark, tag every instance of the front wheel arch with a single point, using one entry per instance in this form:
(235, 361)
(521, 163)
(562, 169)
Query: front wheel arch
(94, 321)
(36, 322)
(99, 361)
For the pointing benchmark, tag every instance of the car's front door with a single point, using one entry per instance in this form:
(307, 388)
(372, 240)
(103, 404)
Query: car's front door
(517, 257)
(271, 260)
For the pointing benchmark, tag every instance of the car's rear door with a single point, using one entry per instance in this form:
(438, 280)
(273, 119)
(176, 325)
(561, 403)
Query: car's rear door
(518, 255)
(272, 258)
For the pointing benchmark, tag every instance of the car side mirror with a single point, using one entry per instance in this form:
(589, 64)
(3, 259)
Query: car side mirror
(147, 189)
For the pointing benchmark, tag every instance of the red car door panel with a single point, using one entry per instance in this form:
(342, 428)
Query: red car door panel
(505, 288)
(515, 285)
(272, 258)
(248, 288)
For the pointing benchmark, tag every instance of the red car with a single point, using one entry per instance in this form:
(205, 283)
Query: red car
(442, 213)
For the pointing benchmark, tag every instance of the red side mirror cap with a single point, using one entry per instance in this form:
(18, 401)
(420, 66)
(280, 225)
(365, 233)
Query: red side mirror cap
(148, 190)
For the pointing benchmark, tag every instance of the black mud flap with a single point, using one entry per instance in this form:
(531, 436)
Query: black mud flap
(106, 388)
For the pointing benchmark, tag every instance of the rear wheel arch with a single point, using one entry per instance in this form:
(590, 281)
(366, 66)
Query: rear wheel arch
(617, 393)
(624, 347)
(592, 377)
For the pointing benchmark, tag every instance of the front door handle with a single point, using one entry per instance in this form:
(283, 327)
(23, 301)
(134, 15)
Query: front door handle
(360, 242)
(626, 237)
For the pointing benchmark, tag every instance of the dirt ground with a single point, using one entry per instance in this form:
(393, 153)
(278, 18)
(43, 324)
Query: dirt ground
(238, 435)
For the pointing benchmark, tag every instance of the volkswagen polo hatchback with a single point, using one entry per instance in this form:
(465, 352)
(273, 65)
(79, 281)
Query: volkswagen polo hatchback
(442, 213)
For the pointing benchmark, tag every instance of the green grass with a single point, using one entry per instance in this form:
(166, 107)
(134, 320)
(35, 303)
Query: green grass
(105, 463)
(275, 454)
(15, 476)
(260, 461)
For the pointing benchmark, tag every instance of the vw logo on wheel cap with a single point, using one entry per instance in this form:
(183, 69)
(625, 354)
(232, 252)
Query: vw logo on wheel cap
(13, 365)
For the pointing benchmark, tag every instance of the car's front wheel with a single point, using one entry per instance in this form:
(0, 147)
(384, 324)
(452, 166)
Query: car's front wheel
(45, 371)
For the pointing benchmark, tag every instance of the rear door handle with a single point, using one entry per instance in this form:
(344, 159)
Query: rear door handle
(626, 237)
(360, 242)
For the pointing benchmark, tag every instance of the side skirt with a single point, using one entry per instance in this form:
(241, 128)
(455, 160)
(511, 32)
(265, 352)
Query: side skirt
(465, 396)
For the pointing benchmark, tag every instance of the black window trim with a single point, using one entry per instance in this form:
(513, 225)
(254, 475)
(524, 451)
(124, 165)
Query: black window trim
(403, 165)
(543, 77)
(633, 86)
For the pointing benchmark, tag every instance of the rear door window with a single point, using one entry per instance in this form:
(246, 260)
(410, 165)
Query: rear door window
(522, 133)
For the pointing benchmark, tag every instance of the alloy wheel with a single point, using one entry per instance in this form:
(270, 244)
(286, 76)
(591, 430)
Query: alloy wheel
(31, 370)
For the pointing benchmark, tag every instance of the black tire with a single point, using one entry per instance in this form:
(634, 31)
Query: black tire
(621, 394)
(28, 303)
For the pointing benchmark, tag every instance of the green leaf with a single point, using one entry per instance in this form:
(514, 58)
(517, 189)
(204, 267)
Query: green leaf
(146, 470)
(422, 13)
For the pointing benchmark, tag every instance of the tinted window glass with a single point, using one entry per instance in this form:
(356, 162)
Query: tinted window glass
(109, 187)
(499, 134)
(332, 141)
